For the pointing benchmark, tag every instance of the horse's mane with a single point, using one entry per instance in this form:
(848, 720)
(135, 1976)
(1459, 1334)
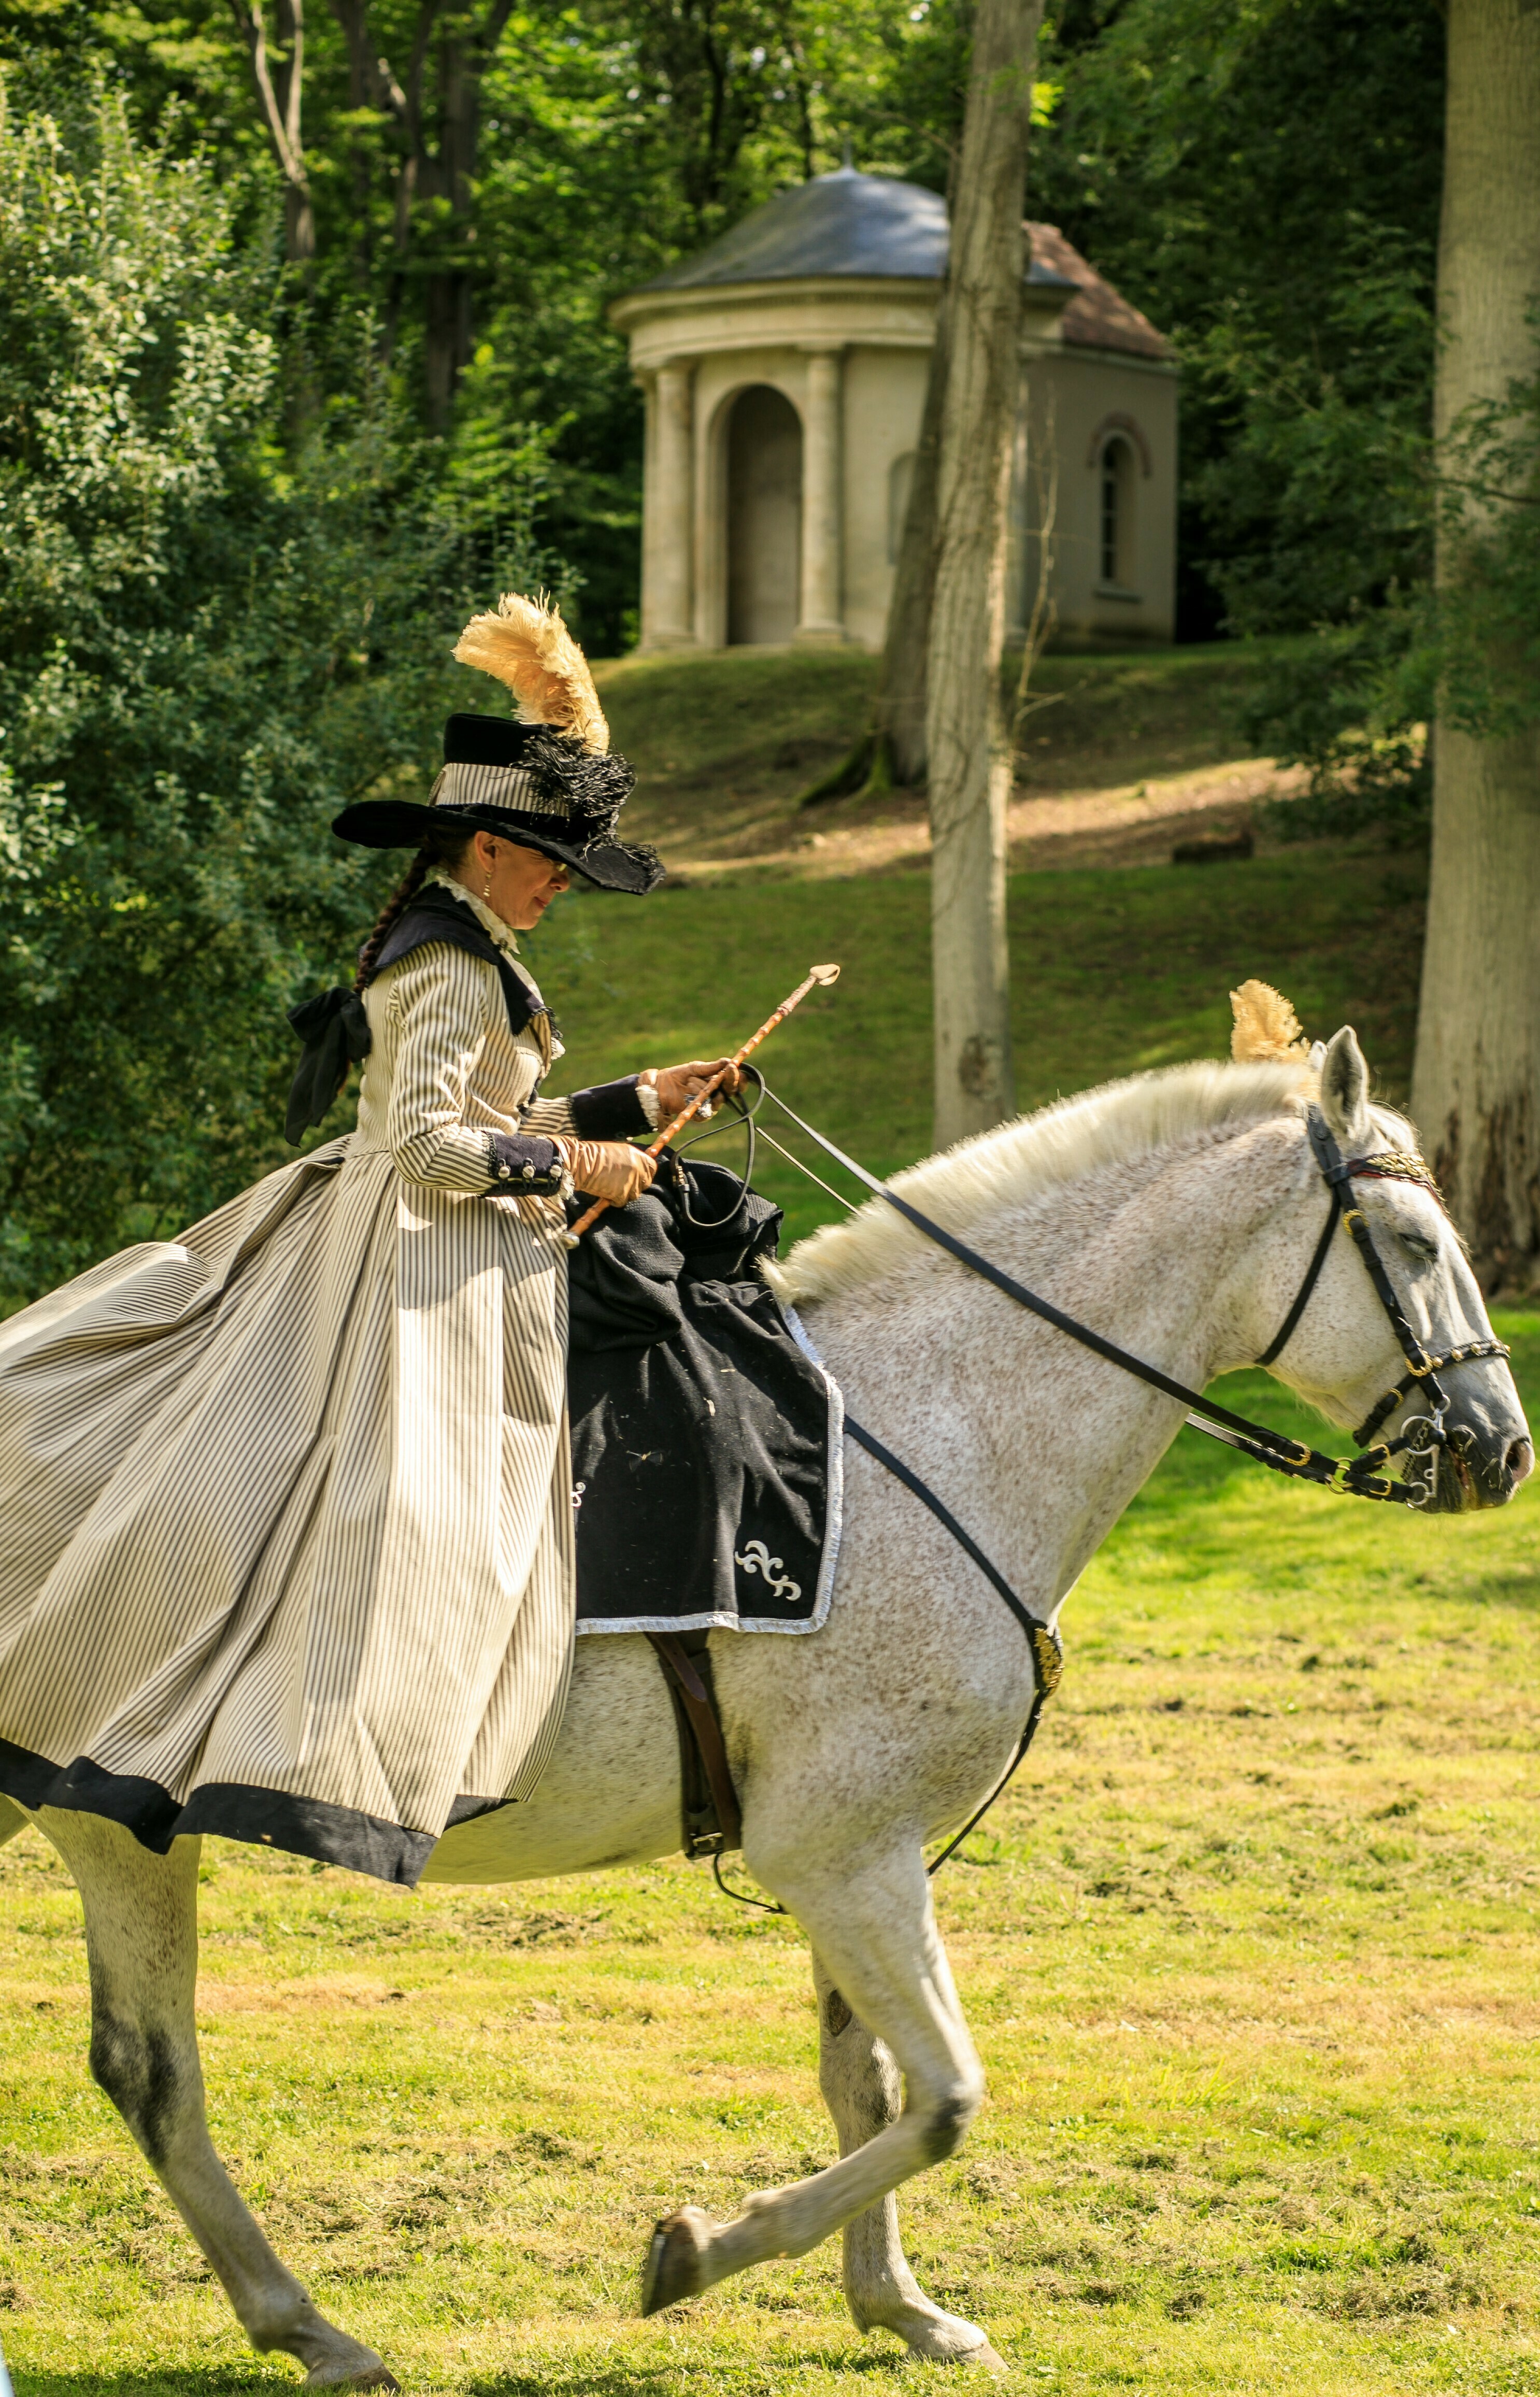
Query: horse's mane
(1035, 1154)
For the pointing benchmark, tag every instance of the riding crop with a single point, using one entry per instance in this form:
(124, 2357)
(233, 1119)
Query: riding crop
(817, 976)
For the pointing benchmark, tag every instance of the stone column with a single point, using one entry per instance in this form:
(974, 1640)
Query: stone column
(648, 385)
(670, 612)
(823, 617)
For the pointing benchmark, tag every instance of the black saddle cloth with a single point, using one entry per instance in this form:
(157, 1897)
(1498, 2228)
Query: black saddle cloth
(700, 1431)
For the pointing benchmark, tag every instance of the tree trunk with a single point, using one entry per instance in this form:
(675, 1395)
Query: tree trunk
(1476, 1086)
(898, 709)
(371, 84)
(445, 172)
(447, 295)
(966, 736)
(281, 93)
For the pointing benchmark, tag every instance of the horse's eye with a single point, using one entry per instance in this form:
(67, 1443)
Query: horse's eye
(1422, 1251)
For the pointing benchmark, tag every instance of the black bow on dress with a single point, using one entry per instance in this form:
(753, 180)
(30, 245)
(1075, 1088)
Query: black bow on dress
(335, 1031)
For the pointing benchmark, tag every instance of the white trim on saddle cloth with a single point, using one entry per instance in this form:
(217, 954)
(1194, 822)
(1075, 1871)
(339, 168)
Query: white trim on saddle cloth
(833, 1525)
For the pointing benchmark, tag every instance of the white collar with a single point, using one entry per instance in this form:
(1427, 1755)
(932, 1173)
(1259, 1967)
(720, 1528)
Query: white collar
(491, 922)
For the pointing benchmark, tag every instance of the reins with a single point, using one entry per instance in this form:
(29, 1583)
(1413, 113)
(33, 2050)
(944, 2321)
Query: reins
(1295, 1459)
(1422, 1436)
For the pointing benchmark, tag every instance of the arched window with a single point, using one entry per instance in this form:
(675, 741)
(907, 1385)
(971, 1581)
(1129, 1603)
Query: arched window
(1117, 524)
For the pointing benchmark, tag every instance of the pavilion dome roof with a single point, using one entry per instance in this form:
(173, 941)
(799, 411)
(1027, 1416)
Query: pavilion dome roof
(848, 223)
(843, 223)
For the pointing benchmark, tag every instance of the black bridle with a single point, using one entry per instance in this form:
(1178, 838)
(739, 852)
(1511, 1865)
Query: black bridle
(1357, 1477)
(1424, 1433)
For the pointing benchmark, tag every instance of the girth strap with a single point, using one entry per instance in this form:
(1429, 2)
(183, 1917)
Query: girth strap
(698, 1704)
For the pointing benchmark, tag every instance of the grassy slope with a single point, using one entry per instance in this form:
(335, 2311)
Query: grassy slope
(1249, 1952)
(723, 744)
(1112, 971)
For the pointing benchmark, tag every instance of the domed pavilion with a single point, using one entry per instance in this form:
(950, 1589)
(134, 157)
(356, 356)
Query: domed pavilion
(785, 372)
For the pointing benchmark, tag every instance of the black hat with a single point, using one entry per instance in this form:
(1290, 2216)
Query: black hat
(551, 783)
(538, 787)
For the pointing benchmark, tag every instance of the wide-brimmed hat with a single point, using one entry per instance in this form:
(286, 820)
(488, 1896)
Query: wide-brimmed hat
(550, 782)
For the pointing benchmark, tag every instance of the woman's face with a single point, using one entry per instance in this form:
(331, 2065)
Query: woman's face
(516, 883)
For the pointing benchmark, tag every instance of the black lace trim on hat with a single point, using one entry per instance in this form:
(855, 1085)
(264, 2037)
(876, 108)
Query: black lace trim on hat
(591, 790)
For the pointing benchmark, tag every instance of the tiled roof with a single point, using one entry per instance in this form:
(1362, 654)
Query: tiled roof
(1098, 317)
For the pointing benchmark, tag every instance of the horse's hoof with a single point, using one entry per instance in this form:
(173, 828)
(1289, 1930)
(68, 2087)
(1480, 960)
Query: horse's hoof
(341, 2375)
(986, 2356)
(673, 2269)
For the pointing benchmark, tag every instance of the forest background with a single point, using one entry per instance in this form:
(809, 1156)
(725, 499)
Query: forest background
(303, 350)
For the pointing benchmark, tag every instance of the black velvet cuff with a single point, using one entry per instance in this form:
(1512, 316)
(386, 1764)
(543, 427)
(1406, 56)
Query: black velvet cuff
(523, 1165)
(609, 1111)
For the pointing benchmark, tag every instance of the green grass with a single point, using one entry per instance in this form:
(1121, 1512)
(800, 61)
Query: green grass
(1112, 971)
(1249, 1953)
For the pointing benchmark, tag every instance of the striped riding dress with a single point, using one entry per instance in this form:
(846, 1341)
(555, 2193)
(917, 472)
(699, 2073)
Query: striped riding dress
(288, 1545)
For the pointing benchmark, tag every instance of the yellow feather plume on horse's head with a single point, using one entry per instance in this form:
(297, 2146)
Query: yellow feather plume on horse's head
(1266, 1029)
(525, 644)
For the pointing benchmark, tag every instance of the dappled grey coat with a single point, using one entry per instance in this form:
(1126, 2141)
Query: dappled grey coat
(288, 1520)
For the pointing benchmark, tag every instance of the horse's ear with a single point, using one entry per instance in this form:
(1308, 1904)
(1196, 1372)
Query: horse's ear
(1345, 1088)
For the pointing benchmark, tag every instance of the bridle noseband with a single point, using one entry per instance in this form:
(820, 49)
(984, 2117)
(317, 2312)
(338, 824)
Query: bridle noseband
(1423, 1434)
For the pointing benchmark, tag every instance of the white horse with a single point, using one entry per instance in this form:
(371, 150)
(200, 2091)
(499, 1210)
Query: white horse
(1177, 1213)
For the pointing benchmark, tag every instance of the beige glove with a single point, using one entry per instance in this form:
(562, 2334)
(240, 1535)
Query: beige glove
(677, 1085)
(607, 1169)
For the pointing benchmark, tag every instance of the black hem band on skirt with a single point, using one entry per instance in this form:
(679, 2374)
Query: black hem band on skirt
(267, 1818)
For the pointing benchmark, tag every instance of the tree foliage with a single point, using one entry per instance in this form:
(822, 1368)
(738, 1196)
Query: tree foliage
(206, 647)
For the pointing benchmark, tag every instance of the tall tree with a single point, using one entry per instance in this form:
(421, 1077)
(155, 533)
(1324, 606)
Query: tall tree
(280, 82)
(966, 736)
(1476, 1082)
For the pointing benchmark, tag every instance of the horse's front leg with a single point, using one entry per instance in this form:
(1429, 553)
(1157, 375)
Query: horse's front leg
(875, 1937)
(859, 2083)
(142, 1941)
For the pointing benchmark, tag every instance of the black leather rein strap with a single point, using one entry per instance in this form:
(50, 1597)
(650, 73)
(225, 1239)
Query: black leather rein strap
(1274, 1449)
(1290, 1324)
(1048, 1660)
(1048, 1657)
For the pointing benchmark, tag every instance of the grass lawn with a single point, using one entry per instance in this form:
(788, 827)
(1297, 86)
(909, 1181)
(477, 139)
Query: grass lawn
(1250, 1955)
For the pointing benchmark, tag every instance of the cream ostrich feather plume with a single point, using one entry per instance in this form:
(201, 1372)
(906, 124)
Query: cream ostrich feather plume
(525, 644)
(1266, 1029)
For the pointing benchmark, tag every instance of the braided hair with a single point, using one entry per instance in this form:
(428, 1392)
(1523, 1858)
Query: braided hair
(439, 848)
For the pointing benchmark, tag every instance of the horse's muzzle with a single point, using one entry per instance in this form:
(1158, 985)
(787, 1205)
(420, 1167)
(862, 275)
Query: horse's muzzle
(1480, 1465)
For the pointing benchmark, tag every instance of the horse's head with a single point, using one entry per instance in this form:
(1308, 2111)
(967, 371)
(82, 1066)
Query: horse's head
(1468, 1443)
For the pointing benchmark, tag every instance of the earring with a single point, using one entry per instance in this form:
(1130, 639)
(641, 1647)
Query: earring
(486, 888)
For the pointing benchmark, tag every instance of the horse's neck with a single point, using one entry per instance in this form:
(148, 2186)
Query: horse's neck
(1036, 1443)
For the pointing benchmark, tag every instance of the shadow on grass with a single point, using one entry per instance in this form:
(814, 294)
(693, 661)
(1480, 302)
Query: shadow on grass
(217, 2380)
(611, 2379)
(602, 2378)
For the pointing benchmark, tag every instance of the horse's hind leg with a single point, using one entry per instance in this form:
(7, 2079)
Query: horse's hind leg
(859, 2083)
(142, 1937)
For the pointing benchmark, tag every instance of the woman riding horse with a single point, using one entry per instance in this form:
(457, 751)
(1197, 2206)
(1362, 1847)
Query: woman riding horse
(288, 1547)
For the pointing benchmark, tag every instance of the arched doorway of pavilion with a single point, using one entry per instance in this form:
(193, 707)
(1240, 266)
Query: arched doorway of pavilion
(764, 516)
